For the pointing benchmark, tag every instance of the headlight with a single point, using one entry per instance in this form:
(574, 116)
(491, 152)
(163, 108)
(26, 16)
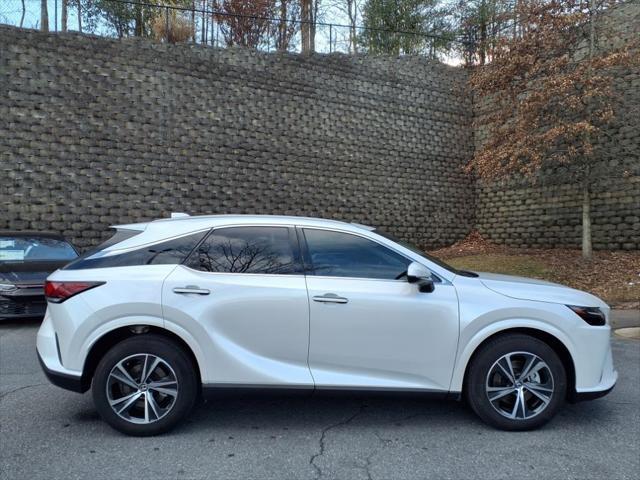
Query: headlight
(7, 287)
(592, 315)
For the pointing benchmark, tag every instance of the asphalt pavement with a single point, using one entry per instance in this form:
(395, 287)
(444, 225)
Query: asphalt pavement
(49, 433)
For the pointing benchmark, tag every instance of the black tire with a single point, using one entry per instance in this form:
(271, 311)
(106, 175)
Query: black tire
(485, 361)
(180, 366)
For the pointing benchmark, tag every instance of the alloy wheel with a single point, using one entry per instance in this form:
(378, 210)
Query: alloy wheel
(142, 388)
(519, 385)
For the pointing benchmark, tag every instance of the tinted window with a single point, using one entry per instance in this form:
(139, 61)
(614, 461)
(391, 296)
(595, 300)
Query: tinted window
(119, 236)
(420, 252)
(246, 250)
(34, 249)
(169, 252)
(343, 255)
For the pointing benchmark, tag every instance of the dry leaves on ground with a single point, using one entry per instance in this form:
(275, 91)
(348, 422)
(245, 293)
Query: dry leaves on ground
(611, 275)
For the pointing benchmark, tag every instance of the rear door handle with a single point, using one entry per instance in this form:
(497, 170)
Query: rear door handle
(192, 289)
(330, 298)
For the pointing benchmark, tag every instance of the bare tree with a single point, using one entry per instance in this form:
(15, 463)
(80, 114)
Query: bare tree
(552, 98)
(64, 15)
(309, 12)
(289, 14)
(244, 23)
(352, 13)
(44, 16)
(79, 15)
(351, 10)
(238, 256)
(24, 10)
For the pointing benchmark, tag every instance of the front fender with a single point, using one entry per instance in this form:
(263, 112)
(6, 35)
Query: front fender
(470, 346)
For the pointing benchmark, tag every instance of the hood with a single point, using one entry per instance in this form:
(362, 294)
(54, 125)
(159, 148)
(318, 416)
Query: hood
(28, 273)
(538, 290)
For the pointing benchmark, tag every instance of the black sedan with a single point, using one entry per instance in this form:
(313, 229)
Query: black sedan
(26, 260)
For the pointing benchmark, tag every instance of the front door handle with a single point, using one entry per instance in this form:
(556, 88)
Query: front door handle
(192, 289)
(330, 298)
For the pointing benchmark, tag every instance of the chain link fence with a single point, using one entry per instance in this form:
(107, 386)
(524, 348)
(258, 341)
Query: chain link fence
(203, 22)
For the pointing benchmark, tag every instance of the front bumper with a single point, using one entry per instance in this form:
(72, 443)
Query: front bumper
(608, 379)
(16, 307)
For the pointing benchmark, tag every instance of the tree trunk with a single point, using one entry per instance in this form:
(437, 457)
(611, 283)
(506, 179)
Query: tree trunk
(138, 22)
(587, 249)
(282, 27)
(63, 16)
(313, 12)
(24, 10)
(193, 21)
(79, 16)
(44, 16)
(305, 27)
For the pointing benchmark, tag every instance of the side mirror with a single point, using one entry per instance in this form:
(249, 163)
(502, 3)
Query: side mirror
(417, 273)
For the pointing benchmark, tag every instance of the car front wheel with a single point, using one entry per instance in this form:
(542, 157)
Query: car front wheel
(144, 385)
(516, 382)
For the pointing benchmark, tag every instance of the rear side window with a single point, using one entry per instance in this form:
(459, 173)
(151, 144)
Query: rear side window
(266, 250)
(172, 251)
(336, 254)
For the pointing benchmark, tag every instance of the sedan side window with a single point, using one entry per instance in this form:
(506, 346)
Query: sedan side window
(336, 254)
(266, 250)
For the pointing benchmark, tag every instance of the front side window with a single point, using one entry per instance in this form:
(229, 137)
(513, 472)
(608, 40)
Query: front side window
(266, 250)
(34, 249)
(336, 254)
(170, 252)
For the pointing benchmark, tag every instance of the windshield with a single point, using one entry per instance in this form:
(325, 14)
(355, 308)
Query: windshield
(415, 249)
(34, 249)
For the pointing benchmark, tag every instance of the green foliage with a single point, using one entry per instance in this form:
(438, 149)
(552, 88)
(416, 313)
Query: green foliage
(482, 24)
(406, 27)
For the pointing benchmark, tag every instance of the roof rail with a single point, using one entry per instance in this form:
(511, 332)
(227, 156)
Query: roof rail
(179, 215)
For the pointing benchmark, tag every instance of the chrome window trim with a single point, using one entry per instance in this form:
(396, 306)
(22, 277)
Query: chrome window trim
(438, 278)
(110, 253)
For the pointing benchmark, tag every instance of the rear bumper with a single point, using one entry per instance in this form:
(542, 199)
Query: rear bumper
(50, 361)
(63, 380)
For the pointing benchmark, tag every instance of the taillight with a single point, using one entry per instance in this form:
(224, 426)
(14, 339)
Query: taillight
(58, 292)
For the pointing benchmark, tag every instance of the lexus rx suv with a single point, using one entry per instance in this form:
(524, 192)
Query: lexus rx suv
(167, 310)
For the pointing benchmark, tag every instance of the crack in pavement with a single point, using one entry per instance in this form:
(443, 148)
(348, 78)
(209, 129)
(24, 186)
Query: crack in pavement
(21, 388)
(312, 460)
(367, 464)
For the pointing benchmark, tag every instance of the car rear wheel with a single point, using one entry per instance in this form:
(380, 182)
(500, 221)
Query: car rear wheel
(144, 385)
(516, 382)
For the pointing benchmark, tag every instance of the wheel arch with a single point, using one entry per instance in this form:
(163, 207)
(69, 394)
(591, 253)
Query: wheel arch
(558, 346)
(102, 345)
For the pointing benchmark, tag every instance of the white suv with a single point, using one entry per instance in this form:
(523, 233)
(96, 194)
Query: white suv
(173, 308)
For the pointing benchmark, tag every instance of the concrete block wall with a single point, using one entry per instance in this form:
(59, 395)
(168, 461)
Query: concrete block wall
(97, 131)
